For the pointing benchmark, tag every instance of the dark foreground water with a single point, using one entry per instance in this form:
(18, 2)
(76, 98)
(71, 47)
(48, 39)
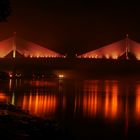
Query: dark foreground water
(88, 109)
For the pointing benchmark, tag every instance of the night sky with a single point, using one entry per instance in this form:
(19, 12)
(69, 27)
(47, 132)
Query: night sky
(70, 26)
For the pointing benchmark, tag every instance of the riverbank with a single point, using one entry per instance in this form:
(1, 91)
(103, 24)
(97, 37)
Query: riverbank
(19, 125)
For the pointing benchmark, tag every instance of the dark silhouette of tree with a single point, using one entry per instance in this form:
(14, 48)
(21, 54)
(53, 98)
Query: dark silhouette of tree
(5, 9)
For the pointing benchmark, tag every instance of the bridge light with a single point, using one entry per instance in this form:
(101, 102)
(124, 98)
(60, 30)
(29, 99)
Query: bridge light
(61, 76)
(138, 57)
(114, 56)
(10, 75)
(96, 56)
(107, 56)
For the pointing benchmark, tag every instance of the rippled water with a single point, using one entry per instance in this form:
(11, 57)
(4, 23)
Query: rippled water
(89, 109)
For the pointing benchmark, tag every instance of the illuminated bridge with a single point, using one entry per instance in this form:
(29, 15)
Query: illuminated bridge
(19, 55)
(17, 47)
(123, 49)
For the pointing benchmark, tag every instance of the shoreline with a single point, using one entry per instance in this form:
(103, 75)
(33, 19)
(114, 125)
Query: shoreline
(18, 124)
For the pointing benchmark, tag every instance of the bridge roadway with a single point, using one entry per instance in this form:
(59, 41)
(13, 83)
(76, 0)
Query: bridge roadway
(79, 65)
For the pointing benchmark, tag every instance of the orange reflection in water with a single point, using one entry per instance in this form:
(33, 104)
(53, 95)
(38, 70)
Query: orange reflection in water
(3, 97)
(90, 105)
(107, 104)
(111, 99)
(42, 83)
(107, 101)
(90, 100)
(100, 98)
(114, 100)
(137, 108)
(40, 105)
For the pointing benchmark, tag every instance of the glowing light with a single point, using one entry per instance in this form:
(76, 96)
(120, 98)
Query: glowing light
(114, 104)
(38, 83)
(14, 54)
(107, 56)
(137, 101)
(3, 97)
(111, 104)
(31, 56)
(10, 75)
(25, 55)
(107, 91)
(13, 99)
(114, 57)
(91, 100)
(138, 105)
(25, 48)
(107, 105)
(90, 105)
(138, 57)
(96, 56)
(61, 76)
(115, 50)
(40, 105)
(93, 103)
(111, 100)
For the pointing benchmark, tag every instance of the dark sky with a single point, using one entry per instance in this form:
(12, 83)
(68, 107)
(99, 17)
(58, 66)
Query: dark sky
(73, 26)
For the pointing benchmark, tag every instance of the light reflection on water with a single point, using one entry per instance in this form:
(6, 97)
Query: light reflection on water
(40, 104)
(111, 100)
(101, 99)
(91, 98)
(3, 97)
(137, 106)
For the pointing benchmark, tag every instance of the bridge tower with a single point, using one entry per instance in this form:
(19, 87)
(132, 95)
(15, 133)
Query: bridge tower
(127, 47)
(14, 45)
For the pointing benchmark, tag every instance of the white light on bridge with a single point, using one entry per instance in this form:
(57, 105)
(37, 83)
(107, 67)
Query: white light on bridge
(61, 76)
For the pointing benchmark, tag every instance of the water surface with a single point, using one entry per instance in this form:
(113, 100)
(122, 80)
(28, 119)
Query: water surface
(88, 109)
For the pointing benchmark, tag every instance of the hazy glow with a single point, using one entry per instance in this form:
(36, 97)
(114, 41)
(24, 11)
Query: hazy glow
(114, 100)
(61, 76)
(33, 50)
(14, 53)
(138, 101)
(40, 104)
(107, 56)
(6, 47)
(39, 83)
(96, 103)
(90, 105)
(3, 97)
(114, 50)
(107, 100)
(111, 99)
(25, 48)
(138, 57)
(109, 51)
(114, 56)
(13, 99)
(91, 101)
